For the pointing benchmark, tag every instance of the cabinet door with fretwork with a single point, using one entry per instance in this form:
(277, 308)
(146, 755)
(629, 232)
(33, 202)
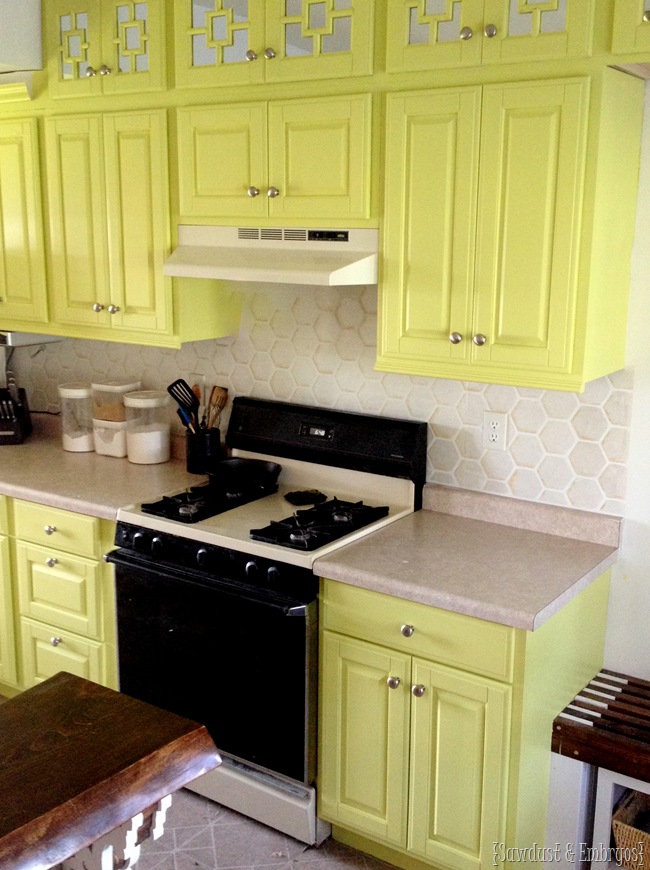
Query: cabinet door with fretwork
(106, 47)
(437, 34)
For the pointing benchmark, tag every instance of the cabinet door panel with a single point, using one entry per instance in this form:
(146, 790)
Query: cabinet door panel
(212, 41)
(530, 189)
(459, 740)
(57, 588)
(138, 219)
(429, 232)
(363, 740)
(222, 153)
(631, 32)
(73, 43)
(22, 251)
(8, 671)
(133, 43)
(46, 650)
(319, 158)
(318, 40)
(77, 219)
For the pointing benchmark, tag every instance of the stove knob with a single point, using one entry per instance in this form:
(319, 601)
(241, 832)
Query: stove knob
(202, 557)
(252, 570)
(273, 574)
(157, 546)
(139, 542)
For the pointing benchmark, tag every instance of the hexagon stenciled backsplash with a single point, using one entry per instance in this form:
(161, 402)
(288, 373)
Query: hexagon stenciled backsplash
(317, 346)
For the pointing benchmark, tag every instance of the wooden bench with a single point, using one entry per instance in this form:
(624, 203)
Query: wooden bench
(80, 763)
(607, 726)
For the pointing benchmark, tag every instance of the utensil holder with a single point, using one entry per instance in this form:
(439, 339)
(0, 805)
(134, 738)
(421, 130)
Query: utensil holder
(15, 420)
(203, 451)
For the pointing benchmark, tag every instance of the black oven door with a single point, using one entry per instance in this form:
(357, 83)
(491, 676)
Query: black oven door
(240, 662)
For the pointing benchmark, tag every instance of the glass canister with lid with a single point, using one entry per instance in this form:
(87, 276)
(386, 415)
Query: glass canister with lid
(147, 426)
(76, 417)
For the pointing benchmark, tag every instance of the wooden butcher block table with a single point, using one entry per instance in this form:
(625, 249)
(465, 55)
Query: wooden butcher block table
(82, 766)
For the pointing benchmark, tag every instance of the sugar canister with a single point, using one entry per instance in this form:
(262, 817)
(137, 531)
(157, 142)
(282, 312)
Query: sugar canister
(147, 426)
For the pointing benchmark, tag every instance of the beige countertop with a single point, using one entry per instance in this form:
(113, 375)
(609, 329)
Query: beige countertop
(451, 557)
(40, 470)
(500, 559)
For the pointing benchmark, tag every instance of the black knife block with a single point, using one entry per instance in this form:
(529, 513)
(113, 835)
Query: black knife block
(15, 420)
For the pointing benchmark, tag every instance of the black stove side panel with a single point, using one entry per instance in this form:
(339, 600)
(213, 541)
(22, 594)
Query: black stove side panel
(361, 442)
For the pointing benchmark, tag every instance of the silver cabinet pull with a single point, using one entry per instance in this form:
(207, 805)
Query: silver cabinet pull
(51, 562)
(253, 191)
(417, 690)
(269, 53)
(55, 641)
(466, 33)
(97, 307)
(407, 630)
(105, 70)
(646, 16)
(490, 31)
(272, 192)
(113, 309)
(479, 339)
(455, 338)
(90, 72)
(393, 682)
(49, 530)
(251, 55)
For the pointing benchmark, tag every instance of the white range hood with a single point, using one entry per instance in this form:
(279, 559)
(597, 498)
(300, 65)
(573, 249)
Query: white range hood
(319, 257)
(20, 36)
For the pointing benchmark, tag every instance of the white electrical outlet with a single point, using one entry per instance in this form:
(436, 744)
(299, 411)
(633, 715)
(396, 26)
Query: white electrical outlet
(495, 430)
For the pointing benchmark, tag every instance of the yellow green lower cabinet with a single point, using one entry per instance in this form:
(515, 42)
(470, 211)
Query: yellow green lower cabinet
(8, 673)
(435, 727)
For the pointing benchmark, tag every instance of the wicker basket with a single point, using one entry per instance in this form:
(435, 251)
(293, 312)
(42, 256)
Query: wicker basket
(632, 842)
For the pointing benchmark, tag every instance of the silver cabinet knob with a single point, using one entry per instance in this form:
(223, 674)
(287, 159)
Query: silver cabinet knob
(490, 31)
(113, 309)
(646, 16)
(455, 338)
(97, 307)
(407, 630)
(466, 33)
(479, 339)
(272, 192)
(269, 53)
(90, 72)
(251, 55)
(393, 682)
(105, 70)
(49, 530)
(51, 562)
(417, 690)
(55, 641)
(253, 191)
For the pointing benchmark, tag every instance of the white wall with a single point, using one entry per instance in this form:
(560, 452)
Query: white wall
(628, 639)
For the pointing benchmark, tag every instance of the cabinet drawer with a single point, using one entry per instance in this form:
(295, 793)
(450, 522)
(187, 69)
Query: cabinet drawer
(4, 517)
(47, 650)
(448, 638)
(64, 530)
(59, 589)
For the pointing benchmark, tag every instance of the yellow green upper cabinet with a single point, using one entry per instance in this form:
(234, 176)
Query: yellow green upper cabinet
(509, 219)
(109, 224)
(437, 34)
(230, 42)
(631, 27)
(104, 46)
(291, 159)
(22, 252)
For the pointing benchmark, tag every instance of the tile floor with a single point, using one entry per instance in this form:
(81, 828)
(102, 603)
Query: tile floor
(202, 835)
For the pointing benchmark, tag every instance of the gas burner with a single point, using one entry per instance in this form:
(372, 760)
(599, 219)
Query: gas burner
(200, 502)
(312, 528)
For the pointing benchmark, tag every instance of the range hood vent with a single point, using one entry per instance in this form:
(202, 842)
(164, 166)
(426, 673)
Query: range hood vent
(21, 42)
(317, 257)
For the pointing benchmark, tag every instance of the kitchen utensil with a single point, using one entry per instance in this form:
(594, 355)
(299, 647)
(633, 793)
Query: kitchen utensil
(183, 394)
(216, 404)
(12, 386)
(186, 419)
(240, 473)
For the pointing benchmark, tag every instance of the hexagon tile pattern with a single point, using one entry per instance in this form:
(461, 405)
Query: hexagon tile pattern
(317, 346)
